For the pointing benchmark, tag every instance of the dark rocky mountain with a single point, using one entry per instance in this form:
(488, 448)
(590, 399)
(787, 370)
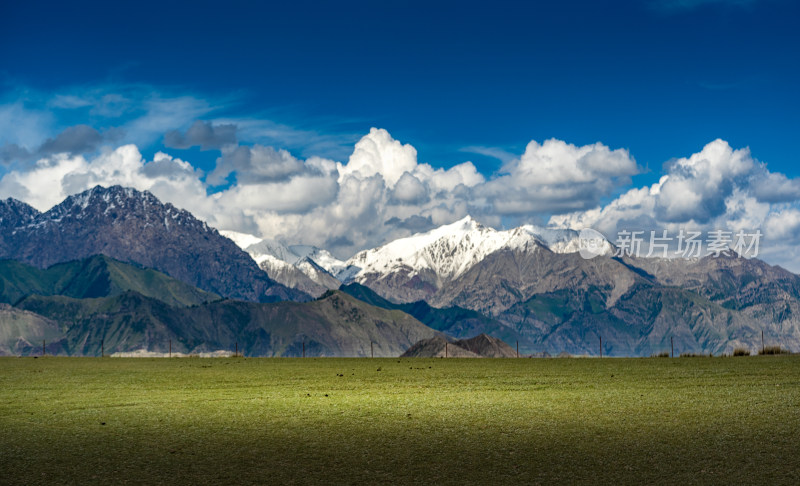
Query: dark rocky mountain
(560, 302)
(437, 347)
(480, 346)
(750, 285)
(507, 277)
(23, 333)
(14, 214)
(641, 322)
(334, 325)
(133, 226)
(487, 347)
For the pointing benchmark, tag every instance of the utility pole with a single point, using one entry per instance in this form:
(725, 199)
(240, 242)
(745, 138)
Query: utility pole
(518, 348)
(445, 349)
(371, 349)
(102, 348)
(43, 347)
(304, 347)
(601, 346)
(762, 342)
(672, 347)
(170, 348)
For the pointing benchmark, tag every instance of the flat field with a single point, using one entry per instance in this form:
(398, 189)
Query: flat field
(435, 421)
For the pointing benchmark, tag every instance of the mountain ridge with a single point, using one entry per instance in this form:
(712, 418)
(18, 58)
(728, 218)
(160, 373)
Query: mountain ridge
(134, 226)
(334, 325)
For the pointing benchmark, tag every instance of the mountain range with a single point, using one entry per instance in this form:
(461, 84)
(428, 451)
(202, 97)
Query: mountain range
(99, 304)
(531, 285)
(119, 258)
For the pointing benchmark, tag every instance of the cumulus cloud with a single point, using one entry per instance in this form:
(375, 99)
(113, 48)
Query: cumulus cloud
(716, 188)
(378, 153)
(557, 177)
(698, 186)
(341, 206)
(774, 187)
(383, 192)
(409, 190)
(202, 134)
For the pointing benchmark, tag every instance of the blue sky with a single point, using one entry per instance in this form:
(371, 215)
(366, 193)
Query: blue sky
(457, 81)
(659, 78)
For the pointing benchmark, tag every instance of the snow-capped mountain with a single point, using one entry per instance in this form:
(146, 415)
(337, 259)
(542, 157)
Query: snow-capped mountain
(474, 266)
(562, 240)
(447, 251)
(303, 267)
(406, 269)
(322, 258)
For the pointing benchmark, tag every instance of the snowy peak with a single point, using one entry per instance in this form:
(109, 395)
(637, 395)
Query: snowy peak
(443, 253)
(242, 240)
(261, 248)
(117, 204)
(276, 259)
(561, 240)
(448, 250)
(106, 197)
(15, 213)
(320, 257)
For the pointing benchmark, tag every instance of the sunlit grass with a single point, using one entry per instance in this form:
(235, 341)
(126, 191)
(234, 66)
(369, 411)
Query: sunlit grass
(283, 421)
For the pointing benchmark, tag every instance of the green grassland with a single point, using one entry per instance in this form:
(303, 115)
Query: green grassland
(437, 421)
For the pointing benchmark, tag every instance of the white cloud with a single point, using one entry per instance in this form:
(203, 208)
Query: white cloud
(716, 188)
(378, 153)
(698, 185)
(383, 192)
(409, 190)
(557, 177)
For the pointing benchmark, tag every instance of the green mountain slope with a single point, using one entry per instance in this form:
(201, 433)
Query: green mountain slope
(97, 276)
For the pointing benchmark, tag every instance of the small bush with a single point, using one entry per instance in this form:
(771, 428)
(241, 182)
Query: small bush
(773, 350)
(741, 352)
(696, 355)
(662, 354)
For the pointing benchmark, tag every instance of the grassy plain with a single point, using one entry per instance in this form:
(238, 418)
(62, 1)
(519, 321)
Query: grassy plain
(436, 421)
